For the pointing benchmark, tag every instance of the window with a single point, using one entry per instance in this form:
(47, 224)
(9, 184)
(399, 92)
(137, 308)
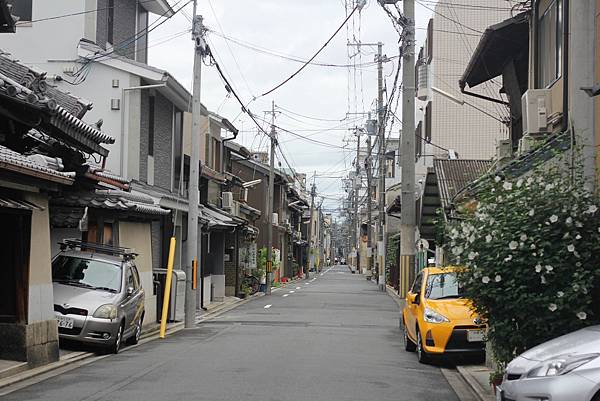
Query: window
(177, 148)
(86, 273)
(151, 100)
(21, 9)
(416, 288)
(110, 21)
(549, 44)
(444, 285)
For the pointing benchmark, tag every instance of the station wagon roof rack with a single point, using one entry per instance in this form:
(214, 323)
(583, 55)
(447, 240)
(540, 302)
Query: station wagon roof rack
(73, 243)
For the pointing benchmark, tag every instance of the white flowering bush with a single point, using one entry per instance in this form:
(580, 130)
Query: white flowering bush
(531, 251)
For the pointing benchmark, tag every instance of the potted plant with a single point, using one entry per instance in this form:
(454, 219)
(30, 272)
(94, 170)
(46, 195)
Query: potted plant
(496, 378)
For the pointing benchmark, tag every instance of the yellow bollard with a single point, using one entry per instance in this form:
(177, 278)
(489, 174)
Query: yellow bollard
(167, 293)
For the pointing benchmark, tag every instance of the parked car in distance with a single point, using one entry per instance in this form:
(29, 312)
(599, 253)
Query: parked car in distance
(98, 296)
(566, 368)
(437, 320)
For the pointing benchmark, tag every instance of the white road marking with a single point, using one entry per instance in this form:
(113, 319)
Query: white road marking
(285, 295)
(292, 291)
(321, 274)
(297, 288)
(268, 306)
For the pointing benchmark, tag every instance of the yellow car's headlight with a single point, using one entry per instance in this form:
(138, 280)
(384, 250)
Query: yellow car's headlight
(431, 316)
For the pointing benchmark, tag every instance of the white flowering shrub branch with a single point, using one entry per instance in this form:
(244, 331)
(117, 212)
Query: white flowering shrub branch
(531, 251)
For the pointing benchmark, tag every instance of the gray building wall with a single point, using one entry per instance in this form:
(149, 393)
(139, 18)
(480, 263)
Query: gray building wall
(144, 124)
(124, 27)
(163, 142)
(101, 23)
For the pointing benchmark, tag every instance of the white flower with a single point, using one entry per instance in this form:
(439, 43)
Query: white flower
(552, 307)
(458, 250)
(549, 268)
(553, 218)
(485, 279)
(531, 212)
(519, 183)
(488, 238)
(578, 224)
(543, 280)
(560, 294)
(529, 180)
(472, 255)
(549, 187)
(498, 278)
(582, 315)
(508, 258)
(513, 245)
(578, 236)
(571, 248)
(592, 209)
(471, 238)
(507, 186)
(523, 237)
(532, 246)
(538, 268)
(497, 178)
(569, 220)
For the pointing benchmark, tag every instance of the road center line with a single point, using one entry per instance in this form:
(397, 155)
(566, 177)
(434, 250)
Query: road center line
(285, 295)
(268, 306)
(297, 288)
(292, 291)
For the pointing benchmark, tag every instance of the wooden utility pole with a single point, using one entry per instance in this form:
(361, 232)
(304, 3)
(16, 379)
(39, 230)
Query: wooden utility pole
(270, 203)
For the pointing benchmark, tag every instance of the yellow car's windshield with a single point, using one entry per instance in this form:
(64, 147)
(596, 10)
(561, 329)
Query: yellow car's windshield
(442, 285)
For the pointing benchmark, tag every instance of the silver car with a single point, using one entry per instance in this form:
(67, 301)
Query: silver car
(98, 298)
(566, 368)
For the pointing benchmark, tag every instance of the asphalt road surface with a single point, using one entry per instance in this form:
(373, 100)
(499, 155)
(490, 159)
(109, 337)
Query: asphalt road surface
(334, 337)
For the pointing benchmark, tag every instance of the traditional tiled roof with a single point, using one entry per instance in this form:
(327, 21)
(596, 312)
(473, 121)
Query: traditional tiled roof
(60, 112)
(112, 200)
(35, 81)
(16, 162)
(454, 175)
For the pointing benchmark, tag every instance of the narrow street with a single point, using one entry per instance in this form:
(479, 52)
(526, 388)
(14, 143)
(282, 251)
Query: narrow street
(333, 337)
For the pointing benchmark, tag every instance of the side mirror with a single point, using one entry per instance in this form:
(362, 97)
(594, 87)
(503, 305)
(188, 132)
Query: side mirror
(415, 298)
(130, 291)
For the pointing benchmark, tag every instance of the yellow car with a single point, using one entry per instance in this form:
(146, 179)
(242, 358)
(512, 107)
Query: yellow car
(437, 320)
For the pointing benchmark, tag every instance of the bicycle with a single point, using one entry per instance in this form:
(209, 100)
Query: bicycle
(251, 282)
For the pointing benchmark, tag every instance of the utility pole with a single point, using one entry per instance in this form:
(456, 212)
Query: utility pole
(192, 239)
(356, 185)
(313, 193)
(270, 203)
(408, 223)
(369, 210)
(381, 131)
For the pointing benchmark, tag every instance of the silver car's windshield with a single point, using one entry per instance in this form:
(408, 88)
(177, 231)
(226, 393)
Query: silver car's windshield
(87, 273)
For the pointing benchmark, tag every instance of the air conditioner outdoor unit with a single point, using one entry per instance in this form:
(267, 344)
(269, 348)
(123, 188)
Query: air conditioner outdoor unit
(227, 200)
(536, 107)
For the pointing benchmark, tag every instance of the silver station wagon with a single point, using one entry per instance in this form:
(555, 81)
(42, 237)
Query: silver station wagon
(98, 296)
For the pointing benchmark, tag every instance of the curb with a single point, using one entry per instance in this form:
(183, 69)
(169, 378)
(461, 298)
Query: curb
(481, 393)
(220, 310)
(21, 374)
(392, 293)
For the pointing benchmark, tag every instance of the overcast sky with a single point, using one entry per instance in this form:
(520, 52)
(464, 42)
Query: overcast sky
(296, 28)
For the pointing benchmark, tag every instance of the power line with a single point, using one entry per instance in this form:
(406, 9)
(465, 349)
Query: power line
(283, 56)
(313, 57)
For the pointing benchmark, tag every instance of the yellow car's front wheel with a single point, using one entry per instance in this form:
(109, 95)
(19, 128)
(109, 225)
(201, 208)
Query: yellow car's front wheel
(422, 355)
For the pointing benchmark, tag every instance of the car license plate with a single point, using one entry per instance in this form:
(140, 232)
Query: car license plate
(475, 335)
(65, 322)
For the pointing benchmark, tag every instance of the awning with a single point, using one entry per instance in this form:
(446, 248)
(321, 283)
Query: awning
(116, 200)
(219, 219)
(18, 163)
(498, 45)
(13, 203)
